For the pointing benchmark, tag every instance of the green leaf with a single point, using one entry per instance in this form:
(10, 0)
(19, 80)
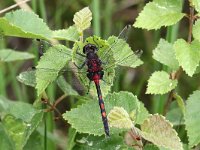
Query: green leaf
(71, 138)
(160, 83)
(91, 121)
(70, 34)
(196, 4)
(197, 70)
(192, 120)
(25, 24)
(165, 54)
(66, 87)
(188, 55)
(175, 116)
(141, 115)
(8, 55)
(20, 120)
(20, 131)
(151, 147)
(196, 30)
(34, 142)
(17, 109)
(15, 128)
(6, 143)
(180, 102)
(159, 13)
(160, 132)
(82, 19)
(119, 118)
(27, 78)
(49, 66)
(123, 54)
(20, 110)
(97, 143)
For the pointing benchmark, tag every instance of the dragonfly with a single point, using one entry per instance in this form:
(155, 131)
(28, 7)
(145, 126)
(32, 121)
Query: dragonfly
(98, 58)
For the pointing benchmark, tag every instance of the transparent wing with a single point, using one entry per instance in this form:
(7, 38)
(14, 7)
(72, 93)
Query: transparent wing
(134, 57)
(45, 45)
(123, 36)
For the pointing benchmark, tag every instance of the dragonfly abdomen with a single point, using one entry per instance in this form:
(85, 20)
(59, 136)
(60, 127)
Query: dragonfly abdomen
(103, 111)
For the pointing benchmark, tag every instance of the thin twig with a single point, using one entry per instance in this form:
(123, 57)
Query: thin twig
(52, 107)
(59, 100)
(191, 20)
(24, 6)
(169, 100)
(13, 6)
(179, 71)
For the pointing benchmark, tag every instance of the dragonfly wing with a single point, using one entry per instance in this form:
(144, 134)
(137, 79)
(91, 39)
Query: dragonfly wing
(123, 54)
(124, 33)
(45, 45)
(123, 36)
(54, 59)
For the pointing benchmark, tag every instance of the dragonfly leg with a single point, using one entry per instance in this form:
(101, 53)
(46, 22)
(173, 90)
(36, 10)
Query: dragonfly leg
(106, 82)
(88, 90)
(103, 62)
(80, 54)
(80, 67)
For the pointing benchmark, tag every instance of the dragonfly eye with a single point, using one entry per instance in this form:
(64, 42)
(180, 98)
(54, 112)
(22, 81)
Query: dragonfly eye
(89, 48)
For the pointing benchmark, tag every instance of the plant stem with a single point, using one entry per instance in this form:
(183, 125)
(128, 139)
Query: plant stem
(59, 99)
(108, 18)
(43, 10)
(96, 17)
(34, 5)
(191, 21)
(179, 71)
(3, 82)
(45, 132)
(172, 32)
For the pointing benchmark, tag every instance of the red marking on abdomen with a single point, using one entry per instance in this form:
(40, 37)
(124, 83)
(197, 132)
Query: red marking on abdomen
(103, 114)
(102, 106)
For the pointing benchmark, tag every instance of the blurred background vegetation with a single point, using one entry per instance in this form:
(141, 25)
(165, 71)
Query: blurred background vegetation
(109, 18)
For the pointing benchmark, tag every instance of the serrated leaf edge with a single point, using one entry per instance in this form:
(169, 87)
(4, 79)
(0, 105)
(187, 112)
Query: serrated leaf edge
(167, 121)
(157, 93)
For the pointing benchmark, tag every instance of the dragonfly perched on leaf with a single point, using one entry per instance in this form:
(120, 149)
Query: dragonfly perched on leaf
(95, 59)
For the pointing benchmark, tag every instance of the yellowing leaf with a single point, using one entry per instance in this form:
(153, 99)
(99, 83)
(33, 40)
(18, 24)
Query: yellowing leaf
(82, 19)
(160, 132)
(119, 118)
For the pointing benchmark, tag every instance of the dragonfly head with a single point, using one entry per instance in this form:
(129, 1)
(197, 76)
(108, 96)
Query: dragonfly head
(90, 48)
